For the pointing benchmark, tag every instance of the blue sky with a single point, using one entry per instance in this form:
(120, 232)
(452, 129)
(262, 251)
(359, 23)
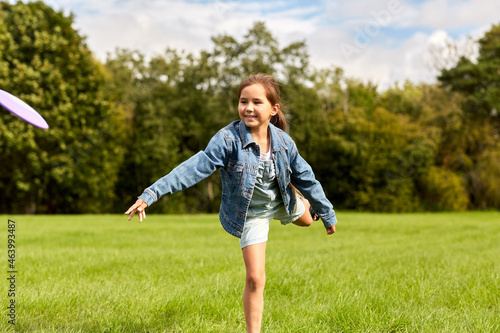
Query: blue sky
(383, 41)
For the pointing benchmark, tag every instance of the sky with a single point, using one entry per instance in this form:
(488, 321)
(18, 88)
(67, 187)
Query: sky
(385, 42)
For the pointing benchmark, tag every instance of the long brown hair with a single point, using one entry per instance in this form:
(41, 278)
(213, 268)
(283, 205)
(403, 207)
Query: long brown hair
(272, 94)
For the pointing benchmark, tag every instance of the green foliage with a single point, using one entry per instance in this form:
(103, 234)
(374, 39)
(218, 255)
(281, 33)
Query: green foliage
(71, 167)
(442, 190)
(171, 116)
(479, 81)
(479, 84)
(377, 161)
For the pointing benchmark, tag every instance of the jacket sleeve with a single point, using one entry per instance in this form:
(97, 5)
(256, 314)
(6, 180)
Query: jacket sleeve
(191, 171)
(303, 179)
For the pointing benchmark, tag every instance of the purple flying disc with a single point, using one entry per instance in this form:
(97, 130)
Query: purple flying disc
(22, 110)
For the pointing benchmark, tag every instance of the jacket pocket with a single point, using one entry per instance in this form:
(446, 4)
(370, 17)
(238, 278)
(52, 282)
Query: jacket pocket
(235, 171)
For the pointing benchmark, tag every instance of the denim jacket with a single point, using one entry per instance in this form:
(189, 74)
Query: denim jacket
(234, 151)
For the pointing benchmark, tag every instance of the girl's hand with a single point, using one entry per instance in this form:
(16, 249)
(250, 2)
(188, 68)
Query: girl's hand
(139, 207)
(331, 230)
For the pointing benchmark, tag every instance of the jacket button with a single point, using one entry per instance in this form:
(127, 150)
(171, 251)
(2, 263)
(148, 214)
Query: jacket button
(279, 176)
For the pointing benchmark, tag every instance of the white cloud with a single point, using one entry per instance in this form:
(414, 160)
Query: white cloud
(384, 67)
(359, 13)
(447, 14)
(153, 25)
(150, 27)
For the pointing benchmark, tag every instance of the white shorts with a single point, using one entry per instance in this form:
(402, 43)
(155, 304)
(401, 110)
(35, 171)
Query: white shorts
(256, 228)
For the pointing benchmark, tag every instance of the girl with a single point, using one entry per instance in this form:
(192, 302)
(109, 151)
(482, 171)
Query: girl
(262, 174)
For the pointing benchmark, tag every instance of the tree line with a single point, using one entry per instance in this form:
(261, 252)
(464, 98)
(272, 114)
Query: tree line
(117, 126)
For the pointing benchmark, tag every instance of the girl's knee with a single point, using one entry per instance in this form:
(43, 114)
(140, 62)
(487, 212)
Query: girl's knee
(308, 222)
(305, 220)
(256, 281)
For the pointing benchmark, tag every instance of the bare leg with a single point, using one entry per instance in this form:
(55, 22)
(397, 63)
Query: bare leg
(253, 295)
(306, 219)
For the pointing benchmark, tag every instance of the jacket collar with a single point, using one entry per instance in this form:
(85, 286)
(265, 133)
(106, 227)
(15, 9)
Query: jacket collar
(277, 142)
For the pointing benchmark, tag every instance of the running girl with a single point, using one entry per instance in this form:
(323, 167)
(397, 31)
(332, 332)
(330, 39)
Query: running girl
(263, 178)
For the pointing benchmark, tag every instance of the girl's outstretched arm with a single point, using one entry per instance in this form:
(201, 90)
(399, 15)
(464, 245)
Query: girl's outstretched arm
(139, 207)
(191, 171)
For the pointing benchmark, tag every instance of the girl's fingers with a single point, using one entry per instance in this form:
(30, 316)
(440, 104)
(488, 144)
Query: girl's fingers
(331, 230)
(132, 208)
(132, 214)
(142, 213)
(139, 207)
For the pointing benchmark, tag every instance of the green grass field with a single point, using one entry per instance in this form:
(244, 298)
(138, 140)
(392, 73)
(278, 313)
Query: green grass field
(378, 273)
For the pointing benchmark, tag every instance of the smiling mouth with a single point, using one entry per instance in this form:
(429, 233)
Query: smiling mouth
(251, 117)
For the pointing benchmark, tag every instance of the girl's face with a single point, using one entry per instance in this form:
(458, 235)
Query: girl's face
(254, 108)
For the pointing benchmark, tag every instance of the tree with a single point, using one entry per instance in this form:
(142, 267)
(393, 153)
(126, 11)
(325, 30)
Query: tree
(479, 84)
(172, 114)
(72, 167)
(479, 81)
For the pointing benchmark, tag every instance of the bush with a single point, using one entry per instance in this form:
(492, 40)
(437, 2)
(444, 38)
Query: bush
(443, 190)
